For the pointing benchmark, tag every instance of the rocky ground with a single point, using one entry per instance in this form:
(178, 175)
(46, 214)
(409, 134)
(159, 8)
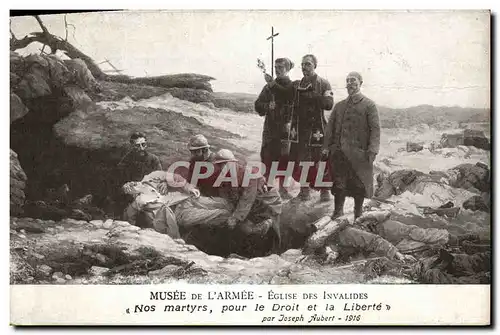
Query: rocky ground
(97, 252)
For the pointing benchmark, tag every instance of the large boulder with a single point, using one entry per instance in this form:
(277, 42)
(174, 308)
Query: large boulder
(36, 79)
(478, 203)
(17, 108)
(473, 177)
(17, 184)
(109, 125)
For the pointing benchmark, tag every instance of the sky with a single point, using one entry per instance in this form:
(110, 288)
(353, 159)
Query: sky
(407, 58)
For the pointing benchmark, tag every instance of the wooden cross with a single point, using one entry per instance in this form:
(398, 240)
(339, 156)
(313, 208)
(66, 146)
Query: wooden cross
(273, 35)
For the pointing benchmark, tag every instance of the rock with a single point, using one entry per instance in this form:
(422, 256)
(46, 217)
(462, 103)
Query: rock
(59, 280)
(476, 139)
(97, 223)
(68, 277)
(71, 221)
(167, 271)
(17, 108)
(45, 269)
(97, 270)
(292, 255)
(37, 255)
(207, 104)
(58, 274)
(81, 74)
(80, 216)
(413, 147)
(84, 201)
(107, 224)
(17, 184)
(472, 177)
(101, 258)
(476, 203)
(122, 223)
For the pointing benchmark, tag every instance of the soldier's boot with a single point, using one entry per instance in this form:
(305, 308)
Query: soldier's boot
(304, 194)
(358, 206)
(339, 206)
(325, 195)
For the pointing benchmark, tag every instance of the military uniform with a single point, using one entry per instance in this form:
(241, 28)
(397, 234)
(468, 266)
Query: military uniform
(135, 166)
(205, 184)
(132, 168)
(353, 131)
(256, 207)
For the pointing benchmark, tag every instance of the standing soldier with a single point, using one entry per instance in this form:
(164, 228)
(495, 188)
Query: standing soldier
(352, 141)
(274, 102)
(313, 95)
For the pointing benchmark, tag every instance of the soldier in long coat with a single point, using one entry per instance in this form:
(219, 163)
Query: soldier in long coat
(352, 142)
(312, 96)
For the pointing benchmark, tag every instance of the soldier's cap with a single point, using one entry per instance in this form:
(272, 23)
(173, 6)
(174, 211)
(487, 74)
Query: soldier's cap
(356, 75)
(198, 142)
(223, 156)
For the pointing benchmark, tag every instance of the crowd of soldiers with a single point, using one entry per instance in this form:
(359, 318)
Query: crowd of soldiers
(295, 130)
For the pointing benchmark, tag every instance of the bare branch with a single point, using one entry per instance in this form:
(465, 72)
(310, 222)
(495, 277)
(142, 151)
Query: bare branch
(23, 43)
(66, 27)
(40, 22)
(11, 32)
